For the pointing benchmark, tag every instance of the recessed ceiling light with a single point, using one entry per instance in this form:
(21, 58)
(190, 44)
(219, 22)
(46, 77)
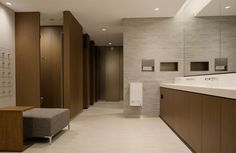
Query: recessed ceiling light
(104, 29)
(110, 43)
(156, 9)
(8, 3)
(227, 7)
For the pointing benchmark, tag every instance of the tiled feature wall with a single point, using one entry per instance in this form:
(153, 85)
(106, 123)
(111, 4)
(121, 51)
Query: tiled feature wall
(207, 38)
(161, 39)
(7, 57)
(202, 42)
(177, 39)
(228, 41)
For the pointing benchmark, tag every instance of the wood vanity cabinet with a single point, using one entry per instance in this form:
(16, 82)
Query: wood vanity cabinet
(181, 114)
(206, 123)
(195, 121)
(166, 107)
(211, 112)
(228, 128)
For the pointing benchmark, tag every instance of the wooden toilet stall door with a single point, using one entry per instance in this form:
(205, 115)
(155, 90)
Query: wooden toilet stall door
(51, 66)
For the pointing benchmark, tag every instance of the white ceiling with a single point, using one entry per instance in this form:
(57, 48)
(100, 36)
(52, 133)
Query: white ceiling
(217, 8)
(93, 15)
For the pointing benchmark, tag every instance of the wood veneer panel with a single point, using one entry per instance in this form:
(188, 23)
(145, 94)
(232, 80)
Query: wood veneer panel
(51, 66)
(97, 69)
(163, 104)
(211, 120)
(27, 26)
(169, 102)
(16, 108)
(228, 126)
(11, 138)
(211, 124)
(11, 129)
(86, 47)
(92, 72)
(195, 124)
(109, 73)
(100, 75)
(121, 73)
(73, 64)
(112, 74)
(181, 111)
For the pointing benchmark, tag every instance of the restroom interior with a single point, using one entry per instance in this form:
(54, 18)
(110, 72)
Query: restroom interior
(157, 66)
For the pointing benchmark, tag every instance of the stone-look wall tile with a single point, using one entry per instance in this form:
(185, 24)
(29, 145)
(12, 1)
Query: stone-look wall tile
(202, 25)
(202, 42)
(228, 41)
(207, 38)
(173, 40)
(159, 39)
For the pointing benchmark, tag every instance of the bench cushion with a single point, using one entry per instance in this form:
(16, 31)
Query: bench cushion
(41, 122)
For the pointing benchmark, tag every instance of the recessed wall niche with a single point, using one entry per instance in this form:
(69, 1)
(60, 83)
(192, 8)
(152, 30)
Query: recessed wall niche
(148, 65)
(169, 66)
(199, 66)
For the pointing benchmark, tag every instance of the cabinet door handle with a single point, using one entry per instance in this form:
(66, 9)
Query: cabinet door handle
(162, 97)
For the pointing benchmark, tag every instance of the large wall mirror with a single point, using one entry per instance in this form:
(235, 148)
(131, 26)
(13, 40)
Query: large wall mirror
(209, 36)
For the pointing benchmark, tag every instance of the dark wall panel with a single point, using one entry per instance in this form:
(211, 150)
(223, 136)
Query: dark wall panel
(121, 73)
(92, 72)
(100, 75)
(51, 66)
(211, 124)
(86, 46)
(228, 128)
(97, 86)
(110, 74)
(73, 64)
(27, 59)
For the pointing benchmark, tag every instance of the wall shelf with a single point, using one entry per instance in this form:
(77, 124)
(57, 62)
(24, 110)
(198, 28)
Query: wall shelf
(169, 66)
(199, 66)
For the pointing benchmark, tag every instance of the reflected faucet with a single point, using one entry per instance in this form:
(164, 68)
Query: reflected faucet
(211, 79)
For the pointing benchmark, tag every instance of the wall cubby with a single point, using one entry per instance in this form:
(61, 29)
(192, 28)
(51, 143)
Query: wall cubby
(169, 66)
(199, 66)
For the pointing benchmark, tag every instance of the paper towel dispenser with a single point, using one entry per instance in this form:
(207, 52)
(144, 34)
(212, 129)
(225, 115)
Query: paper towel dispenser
(148, 65)
(221, 64)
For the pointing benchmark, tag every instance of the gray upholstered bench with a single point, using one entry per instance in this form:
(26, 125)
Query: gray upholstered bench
(45, 122)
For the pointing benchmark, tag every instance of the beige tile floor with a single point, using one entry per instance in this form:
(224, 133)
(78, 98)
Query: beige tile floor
(103, 129)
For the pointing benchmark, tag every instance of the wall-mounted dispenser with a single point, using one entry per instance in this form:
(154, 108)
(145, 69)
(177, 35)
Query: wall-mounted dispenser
(221, 64)
(136, 94)
(148, 65)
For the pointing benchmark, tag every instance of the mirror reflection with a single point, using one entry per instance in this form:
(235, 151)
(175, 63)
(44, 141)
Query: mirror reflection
(209, 36)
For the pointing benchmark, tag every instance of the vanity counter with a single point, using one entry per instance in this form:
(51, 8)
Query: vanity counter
(201, 116)
(226, 92)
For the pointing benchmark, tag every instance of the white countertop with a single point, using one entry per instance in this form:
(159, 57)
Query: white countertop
(226, 92)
